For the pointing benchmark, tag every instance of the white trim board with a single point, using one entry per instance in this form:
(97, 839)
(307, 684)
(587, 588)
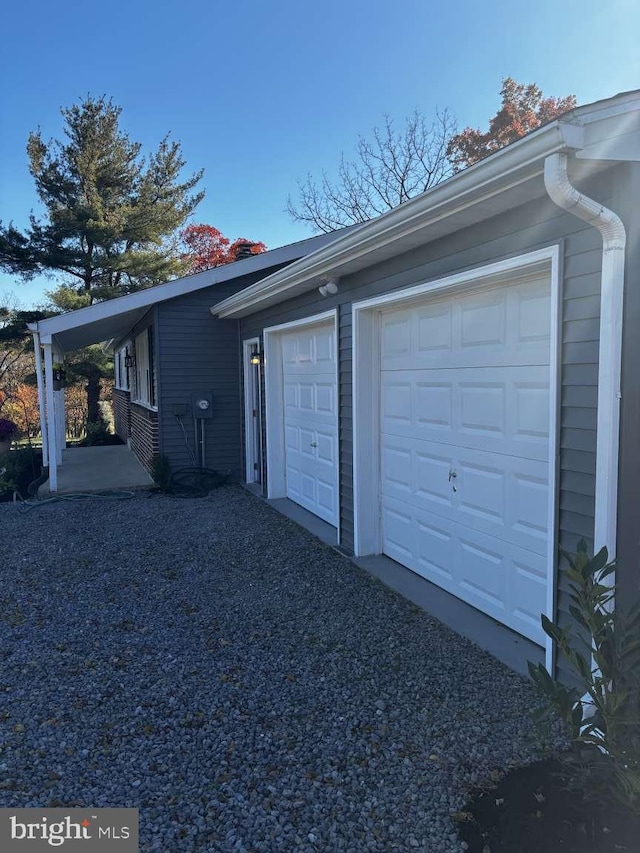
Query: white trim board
(274, 402)
(366, 390)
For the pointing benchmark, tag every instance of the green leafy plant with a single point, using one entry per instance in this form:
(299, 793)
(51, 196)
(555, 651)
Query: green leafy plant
(602, 709)
(96, 435)
(17, 470)
(6, 485)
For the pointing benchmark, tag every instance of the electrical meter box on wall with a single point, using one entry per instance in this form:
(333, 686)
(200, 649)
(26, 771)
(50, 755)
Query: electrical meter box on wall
(202, 404)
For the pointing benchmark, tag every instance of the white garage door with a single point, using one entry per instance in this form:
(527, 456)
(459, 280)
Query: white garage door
(465, 447)
(311, 420)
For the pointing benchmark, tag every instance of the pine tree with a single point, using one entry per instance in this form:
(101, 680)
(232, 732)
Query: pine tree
(111, 218)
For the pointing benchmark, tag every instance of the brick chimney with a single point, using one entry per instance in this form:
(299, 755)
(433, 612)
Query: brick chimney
(244, 251)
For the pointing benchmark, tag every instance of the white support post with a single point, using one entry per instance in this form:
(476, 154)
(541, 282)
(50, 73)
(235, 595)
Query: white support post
(63, 403)
(59, 415)
(41, 403)
(58, 356)
(52, 432)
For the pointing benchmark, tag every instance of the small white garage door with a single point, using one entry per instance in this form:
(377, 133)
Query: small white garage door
(465, 447)
(311, 419)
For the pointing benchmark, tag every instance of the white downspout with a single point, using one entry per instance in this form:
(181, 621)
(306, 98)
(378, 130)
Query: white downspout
(41, 404)
(610, 226)
(613, 234)
(51, 419)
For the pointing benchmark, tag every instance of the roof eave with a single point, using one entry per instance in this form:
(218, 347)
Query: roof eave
(508, 167)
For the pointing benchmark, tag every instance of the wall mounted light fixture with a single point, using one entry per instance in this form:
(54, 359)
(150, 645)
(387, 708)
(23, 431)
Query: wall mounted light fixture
(129, 361)
(255, 357)
(329, 288)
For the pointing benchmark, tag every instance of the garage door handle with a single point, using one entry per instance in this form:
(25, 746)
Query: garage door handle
(452, 475)
(313, 444)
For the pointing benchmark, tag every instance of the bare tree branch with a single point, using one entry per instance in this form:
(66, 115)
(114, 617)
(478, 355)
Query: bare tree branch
(388, 169)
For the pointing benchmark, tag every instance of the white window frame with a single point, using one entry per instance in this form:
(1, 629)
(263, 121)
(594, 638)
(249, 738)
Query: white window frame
(143, 375)
(120, 369)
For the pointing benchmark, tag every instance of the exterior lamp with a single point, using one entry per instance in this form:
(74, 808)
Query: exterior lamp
(330, 287)
(128, 361)
(256, 357)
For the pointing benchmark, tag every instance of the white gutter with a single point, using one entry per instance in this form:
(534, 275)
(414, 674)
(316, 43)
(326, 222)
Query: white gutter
(613, 234)
(507, 167)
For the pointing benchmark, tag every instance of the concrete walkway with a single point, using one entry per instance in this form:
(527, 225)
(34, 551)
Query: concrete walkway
(93, 469)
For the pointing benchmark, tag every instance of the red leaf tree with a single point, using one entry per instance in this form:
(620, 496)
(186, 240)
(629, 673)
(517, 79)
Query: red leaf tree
(523, 109)
(207, 247)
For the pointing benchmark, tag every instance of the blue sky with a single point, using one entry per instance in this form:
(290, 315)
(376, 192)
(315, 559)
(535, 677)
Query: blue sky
(261, 93)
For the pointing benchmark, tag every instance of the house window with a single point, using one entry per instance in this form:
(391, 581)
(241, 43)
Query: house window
(121, 369)
(145, 391)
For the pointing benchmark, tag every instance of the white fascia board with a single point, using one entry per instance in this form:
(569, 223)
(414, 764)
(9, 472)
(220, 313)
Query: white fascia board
(506, 168)
(180, 287)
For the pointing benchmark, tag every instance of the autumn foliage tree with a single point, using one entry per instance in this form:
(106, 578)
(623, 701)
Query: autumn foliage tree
(523, 109)
(206, 247)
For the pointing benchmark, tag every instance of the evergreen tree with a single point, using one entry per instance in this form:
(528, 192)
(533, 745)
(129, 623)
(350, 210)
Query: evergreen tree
(111, 223)
(111, 218)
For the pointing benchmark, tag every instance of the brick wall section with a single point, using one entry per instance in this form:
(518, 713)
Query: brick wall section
(122, 413)
(144, 434)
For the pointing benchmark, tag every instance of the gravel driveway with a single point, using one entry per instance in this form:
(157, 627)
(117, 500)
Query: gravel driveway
(243, 685)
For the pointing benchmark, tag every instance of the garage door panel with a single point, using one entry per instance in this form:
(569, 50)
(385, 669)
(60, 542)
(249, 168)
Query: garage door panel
(310, 447)
(292, 437)
(482, 491)
(433, 404)
(490, 492)
(310, 399)
(528, 506)
(398, 532)
(498, 327)
(435, 550)
(483, 321)
(501, 579)
(430, 478)
(464, 446)
(534, 316)
(483, 409)
(483, 572)
(432, 328)
(326, 499)
(309, 351)
(503, 409)
(310, 419)
(530, 410)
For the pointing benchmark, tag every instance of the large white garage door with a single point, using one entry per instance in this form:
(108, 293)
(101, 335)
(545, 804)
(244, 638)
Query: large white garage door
(311, 420)
(465, 447)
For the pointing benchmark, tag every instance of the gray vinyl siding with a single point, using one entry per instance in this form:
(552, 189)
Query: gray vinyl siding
(196, 353)
(532, 226)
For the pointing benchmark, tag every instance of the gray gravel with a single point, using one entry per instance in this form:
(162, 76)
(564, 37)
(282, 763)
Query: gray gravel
(243, 685)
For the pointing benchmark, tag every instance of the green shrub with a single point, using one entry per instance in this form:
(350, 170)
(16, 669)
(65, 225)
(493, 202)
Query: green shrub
(18, 469)
(602, 712)
(97, 434)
